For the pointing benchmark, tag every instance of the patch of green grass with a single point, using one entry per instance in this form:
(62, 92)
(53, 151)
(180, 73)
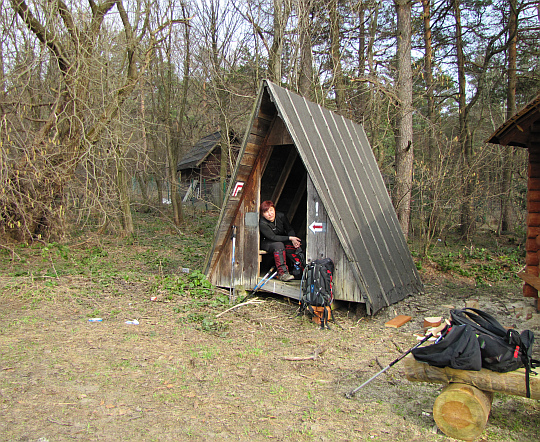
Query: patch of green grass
(96, 313)
(251, 352)
(131, 337)
(167, 397)
(205, 352)
(122, 364)
(483, 265)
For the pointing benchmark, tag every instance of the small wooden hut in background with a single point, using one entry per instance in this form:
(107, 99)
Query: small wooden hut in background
(319, 169)
(523, 130)
(200, 167)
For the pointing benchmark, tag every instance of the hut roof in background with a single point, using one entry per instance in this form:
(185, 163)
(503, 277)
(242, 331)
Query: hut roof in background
(198, 153)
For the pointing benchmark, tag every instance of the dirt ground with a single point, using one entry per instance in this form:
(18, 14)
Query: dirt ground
(255, 373)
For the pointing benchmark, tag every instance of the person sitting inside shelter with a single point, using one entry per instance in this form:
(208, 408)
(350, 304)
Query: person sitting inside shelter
(276, 234)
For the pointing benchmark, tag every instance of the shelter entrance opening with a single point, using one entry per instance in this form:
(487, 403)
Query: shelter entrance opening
(284, 182)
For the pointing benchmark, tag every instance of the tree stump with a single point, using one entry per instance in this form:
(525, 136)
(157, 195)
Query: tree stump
(461, 411)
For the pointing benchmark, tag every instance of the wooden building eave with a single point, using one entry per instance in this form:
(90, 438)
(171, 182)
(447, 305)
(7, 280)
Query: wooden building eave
(517, 129)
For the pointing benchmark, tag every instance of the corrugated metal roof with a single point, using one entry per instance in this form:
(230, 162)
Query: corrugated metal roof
(198, 153)
(338, 157)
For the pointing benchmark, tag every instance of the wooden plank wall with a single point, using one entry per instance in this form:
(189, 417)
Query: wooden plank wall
(327, 245)
(532, 245)
(247, 243)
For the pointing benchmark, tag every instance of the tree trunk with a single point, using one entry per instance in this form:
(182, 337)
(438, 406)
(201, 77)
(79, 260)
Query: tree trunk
(305, 74)
(430, 213)
(141, 175)
(362, 91)
(428, 77)
(221, 95)
(335, 42)
(61, 142)
(173, 149)
(282, 10)
(465, 138)
(461, 411)
(404, 119)
(185, 86)
(225, 153)
(172, 162)
(509, 151)
(374, 110)
(2, 72)
(122, 183)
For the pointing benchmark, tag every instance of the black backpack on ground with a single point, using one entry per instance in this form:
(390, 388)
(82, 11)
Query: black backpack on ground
(316, 289)
(502, 349)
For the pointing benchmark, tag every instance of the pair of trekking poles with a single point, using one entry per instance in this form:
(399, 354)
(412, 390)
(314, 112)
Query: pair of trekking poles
(259, 285)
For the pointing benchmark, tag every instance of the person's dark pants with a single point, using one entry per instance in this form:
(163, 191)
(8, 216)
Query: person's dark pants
(278, 250)
(282, 252)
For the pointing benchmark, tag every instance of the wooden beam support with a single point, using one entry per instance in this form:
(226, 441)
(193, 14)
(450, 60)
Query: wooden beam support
(530, 279)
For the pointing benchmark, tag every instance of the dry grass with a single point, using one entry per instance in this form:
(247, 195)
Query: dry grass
(183, 374)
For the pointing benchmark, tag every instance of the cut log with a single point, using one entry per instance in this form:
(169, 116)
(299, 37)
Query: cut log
(432, 321)
(509, 383)
(461, 411)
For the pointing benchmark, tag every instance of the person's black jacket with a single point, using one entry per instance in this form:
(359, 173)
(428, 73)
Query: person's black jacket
(277, 231)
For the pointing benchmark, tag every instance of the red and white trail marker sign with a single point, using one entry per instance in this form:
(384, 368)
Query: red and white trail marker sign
(316, 227)
(237, 188)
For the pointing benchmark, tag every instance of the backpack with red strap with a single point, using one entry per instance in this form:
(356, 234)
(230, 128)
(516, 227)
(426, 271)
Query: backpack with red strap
(502, 349)
(317, 293)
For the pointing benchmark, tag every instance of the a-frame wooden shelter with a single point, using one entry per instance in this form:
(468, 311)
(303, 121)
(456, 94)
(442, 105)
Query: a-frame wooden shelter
(523, 130)
(319, 169)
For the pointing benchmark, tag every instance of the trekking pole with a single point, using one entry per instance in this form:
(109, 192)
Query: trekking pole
(233, 237)
(262, 282)
(350, 394)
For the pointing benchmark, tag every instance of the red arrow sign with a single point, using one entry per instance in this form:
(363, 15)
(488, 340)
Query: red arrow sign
(316, 227)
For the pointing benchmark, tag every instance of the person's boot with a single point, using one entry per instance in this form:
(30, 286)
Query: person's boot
(281, 266)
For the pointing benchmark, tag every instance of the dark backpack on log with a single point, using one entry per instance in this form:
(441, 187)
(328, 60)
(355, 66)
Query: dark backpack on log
(457, 348)
(316, 289)
(502, 350)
